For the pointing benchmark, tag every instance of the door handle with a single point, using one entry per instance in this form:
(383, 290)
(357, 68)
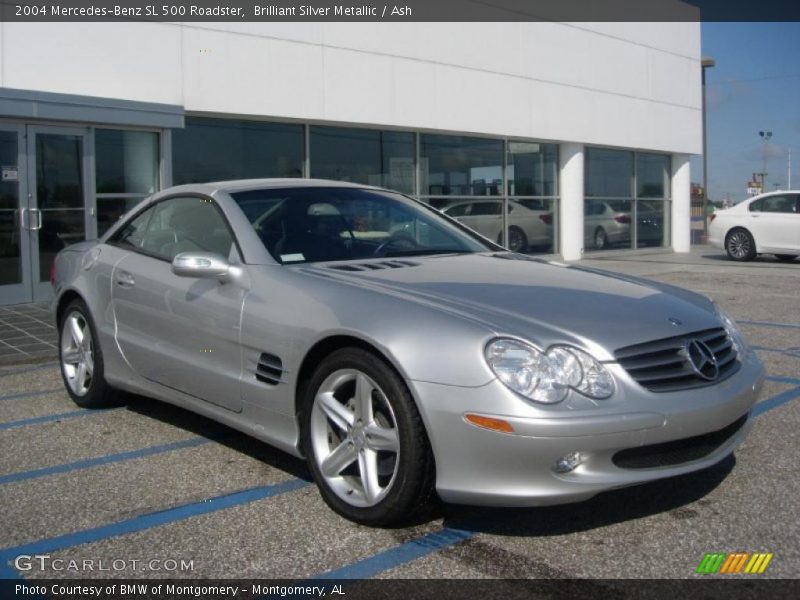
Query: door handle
(125, 279)
(38, 213)
(22, 213)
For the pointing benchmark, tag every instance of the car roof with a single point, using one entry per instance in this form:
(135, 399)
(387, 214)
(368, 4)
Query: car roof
(243, 185)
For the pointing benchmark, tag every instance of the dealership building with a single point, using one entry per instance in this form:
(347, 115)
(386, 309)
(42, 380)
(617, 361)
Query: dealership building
(562, 139)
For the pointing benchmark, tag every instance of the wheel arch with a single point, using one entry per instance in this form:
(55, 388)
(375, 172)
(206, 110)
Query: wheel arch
(66, 298)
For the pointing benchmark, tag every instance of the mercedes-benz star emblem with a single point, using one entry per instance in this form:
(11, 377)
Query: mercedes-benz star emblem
(702, 360)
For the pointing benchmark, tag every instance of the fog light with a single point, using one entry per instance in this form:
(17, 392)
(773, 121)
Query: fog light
(568, 462)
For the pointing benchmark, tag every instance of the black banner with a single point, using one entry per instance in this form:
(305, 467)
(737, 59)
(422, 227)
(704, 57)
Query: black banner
(732, 588)
(403, 11)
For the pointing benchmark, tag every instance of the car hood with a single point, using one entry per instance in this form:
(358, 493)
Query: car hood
(543, 302)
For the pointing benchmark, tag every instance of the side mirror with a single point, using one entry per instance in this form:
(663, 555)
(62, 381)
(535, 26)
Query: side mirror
(202, 265)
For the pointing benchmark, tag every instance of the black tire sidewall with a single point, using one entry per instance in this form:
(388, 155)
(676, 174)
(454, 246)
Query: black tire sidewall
(97, 395)
(413, 481)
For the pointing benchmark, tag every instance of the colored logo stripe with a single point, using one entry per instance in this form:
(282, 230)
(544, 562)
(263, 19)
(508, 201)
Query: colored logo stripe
(734, 563)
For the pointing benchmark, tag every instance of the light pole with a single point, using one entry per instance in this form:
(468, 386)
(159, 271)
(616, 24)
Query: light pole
(766, 136)
(706, 63)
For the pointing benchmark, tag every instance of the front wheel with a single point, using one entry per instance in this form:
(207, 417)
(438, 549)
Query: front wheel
(81, 359)
(365, 442)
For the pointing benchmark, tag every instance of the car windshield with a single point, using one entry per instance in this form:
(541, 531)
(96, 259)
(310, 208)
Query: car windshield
(317, 224)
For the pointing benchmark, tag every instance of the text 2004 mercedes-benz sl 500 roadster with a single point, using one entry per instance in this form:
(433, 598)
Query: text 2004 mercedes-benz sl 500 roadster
(402, 354)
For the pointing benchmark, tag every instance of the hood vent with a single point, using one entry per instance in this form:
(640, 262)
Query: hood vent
(375, 266)
(270, 369)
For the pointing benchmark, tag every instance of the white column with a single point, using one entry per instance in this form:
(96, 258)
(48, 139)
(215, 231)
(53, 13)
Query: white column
(570, 158)
(681, 203)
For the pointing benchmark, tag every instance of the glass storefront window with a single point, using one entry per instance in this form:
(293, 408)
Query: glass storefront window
(127, 171)
(652, 175)
(221, 149)
(609, 173)
(373, 157)
(652, 219)
(532, 169)
(607, 224)
(531, 225)
(460, 166)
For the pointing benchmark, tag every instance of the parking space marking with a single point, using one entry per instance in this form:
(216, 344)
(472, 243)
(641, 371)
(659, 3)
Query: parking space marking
(783, 379)
(142, 522)
(103, 460)
(28, 370)
(31, 394)
(770, 324)
(83, 412)
(776, 401)
(399, 555)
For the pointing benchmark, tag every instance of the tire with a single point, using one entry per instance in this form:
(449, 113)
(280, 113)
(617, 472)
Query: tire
(402, 487)
(739, 245)
(785, 257)
(517, 240)
(81, 359)
(600, 239)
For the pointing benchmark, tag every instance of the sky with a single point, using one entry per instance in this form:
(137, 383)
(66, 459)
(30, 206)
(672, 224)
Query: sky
(755, 86)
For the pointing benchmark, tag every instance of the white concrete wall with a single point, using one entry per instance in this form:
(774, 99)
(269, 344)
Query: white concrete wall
(621, 84)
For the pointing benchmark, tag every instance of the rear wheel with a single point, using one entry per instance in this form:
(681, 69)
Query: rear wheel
(517, 240)
(785, 257)
(740, 245)
(365, 442)
(81, 358)
(600, 239)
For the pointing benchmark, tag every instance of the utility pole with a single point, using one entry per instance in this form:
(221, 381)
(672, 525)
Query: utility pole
(766, 136)
(789, 172)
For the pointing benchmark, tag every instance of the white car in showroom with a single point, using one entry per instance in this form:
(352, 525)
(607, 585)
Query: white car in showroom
(765, 224)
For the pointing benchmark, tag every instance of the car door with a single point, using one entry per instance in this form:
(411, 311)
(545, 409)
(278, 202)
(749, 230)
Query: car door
(775, 223)
(180, 332)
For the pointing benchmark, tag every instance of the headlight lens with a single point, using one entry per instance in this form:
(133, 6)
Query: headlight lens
(547, 377)
(732, 329)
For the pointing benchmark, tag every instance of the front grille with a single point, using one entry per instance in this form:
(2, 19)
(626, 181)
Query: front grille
(270, 369)
(678, 452)
(663, 365)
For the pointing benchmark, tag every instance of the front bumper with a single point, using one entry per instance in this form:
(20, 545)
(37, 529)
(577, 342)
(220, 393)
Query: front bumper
(483, 467)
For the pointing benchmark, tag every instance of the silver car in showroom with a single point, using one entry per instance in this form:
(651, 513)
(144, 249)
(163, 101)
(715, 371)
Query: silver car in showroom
(404, 356)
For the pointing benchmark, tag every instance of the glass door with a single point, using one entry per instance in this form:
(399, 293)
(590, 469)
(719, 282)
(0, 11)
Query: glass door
(58, 180)
(15, 280)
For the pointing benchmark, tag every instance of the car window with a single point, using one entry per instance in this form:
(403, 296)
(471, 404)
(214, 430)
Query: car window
(459, 210)
(132, 234)
(189, 224)
(775, 204)
(331, 224)
(487, 208)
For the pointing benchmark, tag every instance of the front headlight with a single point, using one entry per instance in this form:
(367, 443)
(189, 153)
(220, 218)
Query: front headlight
(732, 329)
(547, 376)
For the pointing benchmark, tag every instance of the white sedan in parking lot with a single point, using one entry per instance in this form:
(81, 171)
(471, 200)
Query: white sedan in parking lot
(765, 224)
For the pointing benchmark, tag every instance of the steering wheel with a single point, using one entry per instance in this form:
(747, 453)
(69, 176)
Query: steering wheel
(399, 240)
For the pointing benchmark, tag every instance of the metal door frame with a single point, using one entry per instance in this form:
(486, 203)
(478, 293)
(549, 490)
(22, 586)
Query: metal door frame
(41, 290)
(23, 291)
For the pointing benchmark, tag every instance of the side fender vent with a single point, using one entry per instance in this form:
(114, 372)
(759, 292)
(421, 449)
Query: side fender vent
(270, 369)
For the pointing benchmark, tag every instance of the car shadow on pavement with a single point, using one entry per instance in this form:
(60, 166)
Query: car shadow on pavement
(669, 496)
(761, 258)
(212, 430)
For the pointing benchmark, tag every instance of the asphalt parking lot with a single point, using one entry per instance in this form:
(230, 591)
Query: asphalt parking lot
(148, 482)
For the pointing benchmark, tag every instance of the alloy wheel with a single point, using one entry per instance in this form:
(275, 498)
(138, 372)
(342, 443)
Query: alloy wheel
(77, 353)
(739, 244)
(354, 437)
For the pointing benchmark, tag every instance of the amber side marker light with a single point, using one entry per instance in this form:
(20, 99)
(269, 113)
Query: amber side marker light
(489, 423)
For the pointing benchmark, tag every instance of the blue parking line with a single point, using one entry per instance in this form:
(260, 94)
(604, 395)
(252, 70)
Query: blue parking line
(142, 522)
(399, 555)
(31, 394)
(770, 324)
(102, 460)
(46, 365)
(55, 417)
(783, 379)
(776, 401)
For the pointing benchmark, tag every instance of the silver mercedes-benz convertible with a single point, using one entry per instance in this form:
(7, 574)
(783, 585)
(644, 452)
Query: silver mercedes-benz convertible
(402, 354)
